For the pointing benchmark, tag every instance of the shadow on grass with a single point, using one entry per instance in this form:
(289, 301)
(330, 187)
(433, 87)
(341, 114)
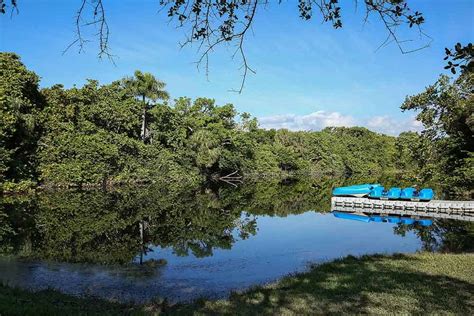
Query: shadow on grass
(412, 284)
(376, 285)
(15, 301)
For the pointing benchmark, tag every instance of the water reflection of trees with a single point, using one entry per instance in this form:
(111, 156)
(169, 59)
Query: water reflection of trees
(279, 199)
(118, 226)
(105, 227)
(443, 235)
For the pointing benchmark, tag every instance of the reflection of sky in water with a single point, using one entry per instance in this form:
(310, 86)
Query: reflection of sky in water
(281, 246)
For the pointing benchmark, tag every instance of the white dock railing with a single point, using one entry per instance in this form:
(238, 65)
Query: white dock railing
(462, 210)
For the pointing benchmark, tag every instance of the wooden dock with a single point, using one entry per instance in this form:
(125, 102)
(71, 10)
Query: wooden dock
(461, 210)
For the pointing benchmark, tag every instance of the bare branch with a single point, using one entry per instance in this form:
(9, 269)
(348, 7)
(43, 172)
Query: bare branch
(215, 22)
(210, 23)
(393, 15)
(98, 21)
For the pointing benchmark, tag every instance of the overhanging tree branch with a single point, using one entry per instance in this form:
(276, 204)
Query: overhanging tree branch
(211, 23)
(98, 21)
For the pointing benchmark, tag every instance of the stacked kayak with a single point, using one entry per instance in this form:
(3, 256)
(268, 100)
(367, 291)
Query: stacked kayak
(359, 190)
(383, 219)
(377, 191)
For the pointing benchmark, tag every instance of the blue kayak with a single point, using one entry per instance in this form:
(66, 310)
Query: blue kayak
(377, 191)
(381, 193)
(359, 190)
(414, 195)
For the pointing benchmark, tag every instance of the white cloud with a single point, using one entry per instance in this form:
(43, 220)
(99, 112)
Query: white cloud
(390, 126)
(313, 121)
(318, 120)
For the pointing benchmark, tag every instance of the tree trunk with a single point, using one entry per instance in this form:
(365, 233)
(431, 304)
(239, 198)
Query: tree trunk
(143, 132)
(104, 183)
(140, 226)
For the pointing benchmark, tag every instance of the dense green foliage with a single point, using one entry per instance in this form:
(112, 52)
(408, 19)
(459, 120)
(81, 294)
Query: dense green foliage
(127, 132)
(20, 110)
(118, 133)
(444, 151)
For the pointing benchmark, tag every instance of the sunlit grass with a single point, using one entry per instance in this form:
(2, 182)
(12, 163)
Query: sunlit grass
(406, 284)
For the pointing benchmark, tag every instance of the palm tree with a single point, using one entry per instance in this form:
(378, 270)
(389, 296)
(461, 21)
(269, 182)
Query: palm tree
(148, 89)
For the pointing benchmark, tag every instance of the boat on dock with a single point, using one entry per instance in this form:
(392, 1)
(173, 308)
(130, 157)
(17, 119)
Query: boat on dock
(459, 210)
(377, 191)
(358, 190)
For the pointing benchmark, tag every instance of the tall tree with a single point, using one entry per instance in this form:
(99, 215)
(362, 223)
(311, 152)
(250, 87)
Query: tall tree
(148, 89)
(446, 110)
(20, 106)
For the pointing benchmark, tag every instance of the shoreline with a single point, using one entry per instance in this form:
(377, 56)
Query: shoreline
(376, 284)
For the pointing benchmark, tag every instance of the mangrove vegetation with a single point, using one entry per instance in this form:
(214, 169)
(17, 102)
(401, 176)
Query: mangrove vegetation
(131, 131)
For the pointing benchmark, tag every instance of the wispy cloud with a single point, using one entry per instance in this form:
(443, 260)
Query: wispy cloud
(391, 126)
(313, 121)
(318, 120)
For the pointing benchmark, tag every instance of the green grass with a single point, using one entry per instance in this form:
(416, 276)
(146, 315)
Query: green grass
(14, 301)
(401, 284)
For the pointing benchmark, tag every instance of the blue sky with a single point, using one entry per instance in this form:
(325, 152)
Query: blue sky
(308, 74)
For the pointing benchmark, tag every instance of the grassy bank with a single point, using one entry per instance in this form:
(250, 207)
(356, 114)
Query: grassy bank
(420, 283)
(15, 301)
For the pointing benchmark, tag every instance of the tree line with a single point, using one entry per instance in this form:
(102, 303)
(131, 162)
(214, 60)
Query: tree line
(129, 131)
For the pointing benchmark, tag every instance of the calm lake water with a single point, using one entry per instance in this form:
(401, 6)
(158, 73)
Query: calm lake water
(182, 244)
